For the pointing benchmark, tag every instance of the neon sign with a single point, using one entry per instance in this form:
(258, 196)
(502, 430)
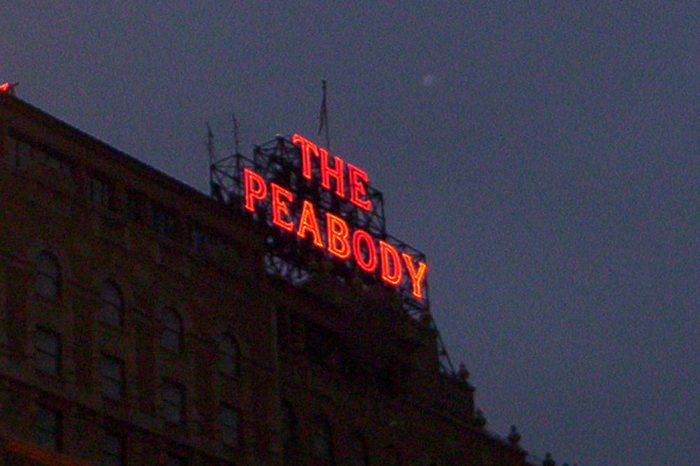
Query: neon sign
(329, 231)
(7, 88)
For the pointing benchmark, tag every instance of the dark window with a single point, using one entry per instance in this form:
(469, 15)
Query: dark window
(48, 276)
(100, 192)
(172, 335)
(230, 425)
(47, 430)
(112, 304)
(229, 356)
(284, 328)
(112, 375)
(162, 221)
(134, 206)
(20, 152)
(359, 456)
(47, 351)
(173, 402)
(392, 456)
(289, 432)
(113, 449)
(176, 460)
(53, 161)
(25, 154)
(322, 441)
(324, 346)
(199, 238)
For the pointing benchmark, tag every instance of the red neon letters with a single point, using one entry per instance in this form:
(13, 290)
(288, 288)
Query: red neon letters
(417, 277)
(280, 207)
(307, 147)
(337, 233)
(357, 178)
(391, 263)
(336, 238)
(308, 223)
(336, 173)
(367, 263)
(358, 187)
(255, 188)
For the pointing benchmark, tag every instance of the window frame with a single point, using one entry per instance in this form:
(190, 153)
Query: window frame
(162, 220)
(233, 354)
(323, 433)
(289, 434)
(55, 431)
(117, 306)
(44, 354)
(108, 379)
(179, 389)
(26, 153)
(134, 206)
(359, 450)
(176, 459)
(48, 281)
(100, 191)
(120, 455)
(233, 438)
(178, 330)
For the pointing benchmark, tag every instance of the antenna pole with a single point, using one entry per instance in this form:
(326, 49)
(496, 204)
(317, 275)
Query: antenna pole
(236, 134)
(323, 116)
(210, 152)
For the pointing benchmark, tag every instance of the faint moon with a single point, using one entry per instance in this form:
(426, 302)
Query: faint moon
(428, 80)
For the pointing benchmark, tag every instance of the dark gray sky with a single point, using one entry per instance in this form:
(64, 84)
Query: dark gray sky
(545, 158)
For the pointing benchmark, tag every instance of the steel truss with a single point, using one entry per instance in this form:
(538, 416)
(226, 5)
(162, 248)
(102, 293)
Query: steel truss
(296, 260)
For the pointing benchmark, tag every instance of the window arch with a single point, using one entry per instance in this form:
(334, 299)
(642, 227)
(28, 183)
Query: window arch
(111, 304)
(359, 456)
(172, 336)
(48, 276)
(322, 441)
(229, 356)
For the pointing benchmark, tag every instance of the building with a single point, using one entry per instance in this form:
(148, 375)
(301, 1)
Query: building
(140, 324)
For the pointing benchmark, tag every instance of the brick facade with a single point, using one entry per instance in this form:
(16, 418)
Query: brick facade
(206, 360)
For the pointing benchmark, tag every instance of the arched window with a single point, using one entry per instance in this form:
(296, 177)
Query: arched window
(172, 335)
(322, 441)
(359, 456)
(112, 304)
(48, 276)
(229, 356)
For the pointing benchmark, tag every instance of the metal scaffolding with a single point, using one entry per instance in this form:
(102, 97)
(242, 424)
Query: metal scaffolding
(294, 259)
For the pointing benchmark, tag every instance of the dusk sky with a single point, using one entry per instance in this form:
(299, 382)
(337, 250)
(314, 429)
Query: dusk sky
(545, 156)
